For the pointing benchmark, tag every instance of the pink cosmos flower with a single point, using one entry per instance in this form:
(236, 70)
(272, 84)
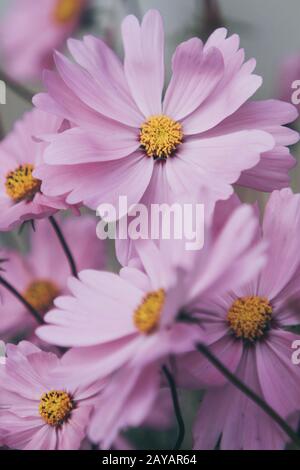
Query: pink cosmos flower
(38, 411)
(288, 74)
(130, 324)
(247, 330)
(32, 29)
(20, 153)
(127, 140)
(41, 275)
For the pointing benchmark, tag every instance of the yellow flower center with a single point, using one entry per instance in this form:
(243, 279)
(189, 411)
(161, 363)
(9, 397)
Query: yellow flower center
(41, 294)
(160, 136)
(249, 317)
(147, 315)
(66, 10)
(55, 407)
(20, 184)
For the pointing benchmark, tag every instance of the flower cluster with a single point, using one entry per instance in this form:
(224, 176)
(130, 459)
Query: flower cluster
(102, 348)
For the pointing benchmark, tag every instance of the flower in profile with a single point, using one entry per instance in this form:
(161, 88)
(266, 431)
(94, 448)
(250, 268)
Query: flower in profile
(31, 30)
(41, 275)
(130, 324)
(128, 140)
(20, 153)
(38, 411)
(247, 329)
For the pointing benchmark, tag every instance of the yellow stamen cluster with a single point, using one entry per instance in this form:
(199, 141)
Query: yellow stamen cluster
(249, 317)
(20, 184)
(160, 136)
(66, 10)
(147, 315)
(41, 294)
(55, 407)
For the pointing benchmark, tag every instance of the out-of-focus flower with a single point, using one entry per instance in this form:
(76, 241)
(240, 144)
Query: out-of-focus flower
(129, 141)
(37, 410)
(160, 417)
(42, 274)
(20, 153)
(32, 29)
(247, 330)
(133, 322)
(289, 73)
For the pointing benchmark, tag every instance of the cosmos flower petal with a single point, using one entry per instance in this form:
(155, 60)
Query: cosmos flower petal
(276, 372)
(81, 84)
(94, 55)
(144, 60)
(61, 101)
(197, 372)
(280, 228)
(74, 146)
(195, 75)
(219, 161)
(137, 393)
(226, 99)
(271, 172)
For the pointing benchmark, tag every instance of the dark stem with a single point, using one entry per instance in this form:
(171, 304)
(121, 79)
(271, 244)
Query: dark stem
(176, 405)
(21, 91)
(26, 304)
(212, 16)
(64, 245)
(250, 393)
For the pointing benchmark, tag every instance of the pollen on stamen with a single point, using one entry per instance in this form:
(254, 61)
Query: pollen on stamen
(40, 294)
(55, 407)
(20, 184)
(249, 317)
(66, 10)
(147, 315)
(160, 136)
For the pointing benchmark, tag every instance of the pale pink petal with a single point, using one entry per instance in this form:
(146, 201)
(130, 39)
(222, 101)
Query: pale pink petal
(44, 439)
(280, 229)
(271, 172)
(73, 432)
(20, 432)
(220, 267)
(135, 391)
(106, 69)
(277, 373)
(77, 146)
(218, 162)
(112, 356)
(61, 101)
(195, 76)
(228, 414)
(236, 87)
(144, 60)
(197, 372)
(99, 99)
(94, 184)
(268, 115)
